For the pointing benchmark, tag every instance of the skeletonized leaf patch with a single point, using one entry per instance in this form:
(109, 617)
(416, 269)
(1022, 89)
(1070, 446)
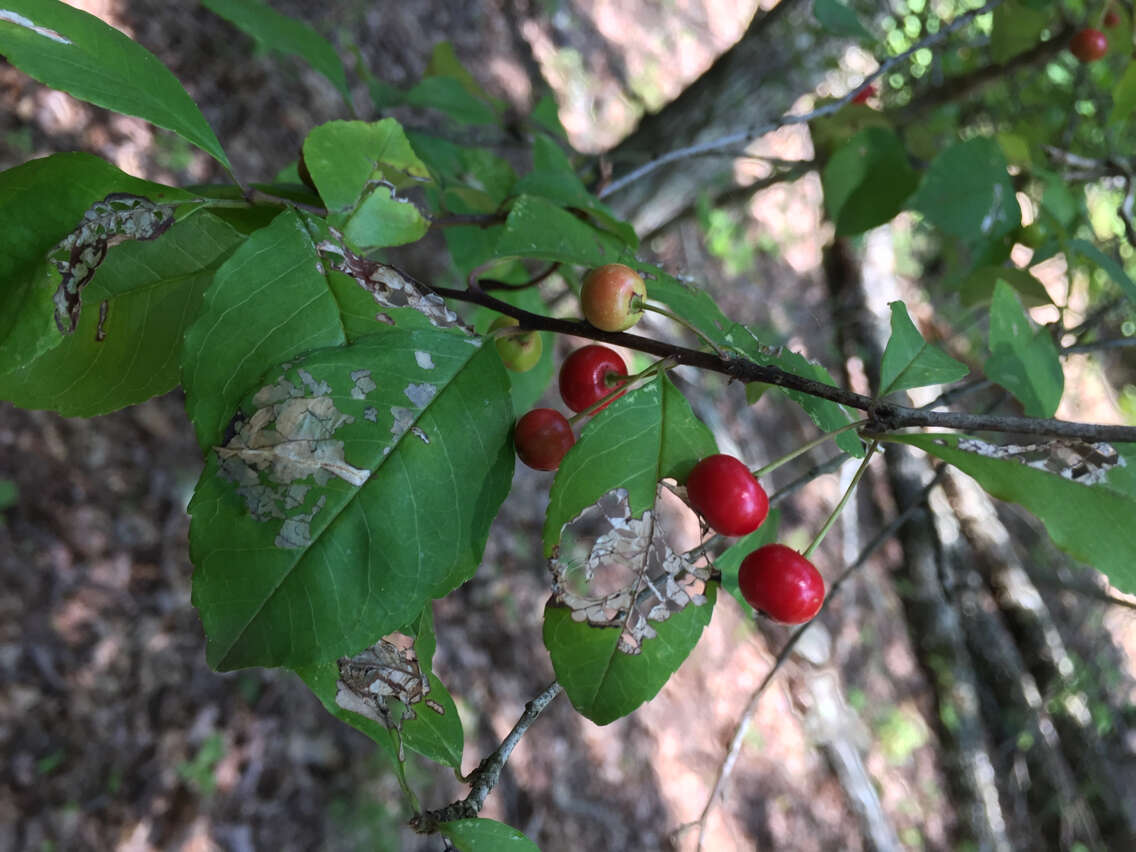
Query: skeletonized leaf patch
(389, 287)
(388, 671)
(1088, 464)
(613, 570)
(117, 218)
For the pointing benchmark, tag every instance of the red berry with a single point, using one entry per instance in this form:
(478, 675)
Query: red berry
(609, 297)
(725, 493)
(778, 581)
(542, 437)
(863, 95)
(584, 377)
(1111, 18)
(1089, 45)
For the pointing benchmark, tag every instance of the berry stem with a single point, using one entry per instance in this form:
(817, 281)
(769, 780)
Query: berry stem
(843, 500)
(804, 448)
(639, 303)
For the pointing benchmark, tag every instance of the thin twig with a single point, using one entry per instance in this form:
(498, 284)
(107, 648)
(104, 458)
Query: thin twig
(727, 766)
(488, 773)
(751, 133)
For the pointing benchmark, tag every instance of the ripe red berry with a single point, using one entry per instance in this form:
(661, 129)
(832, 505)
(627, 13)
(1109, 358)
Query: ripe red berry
(1089, 45)
(782, 584)
(725, 493)
(863, 95)
(542, 437)
(588, 375)
(1111, 18)
(611, 297)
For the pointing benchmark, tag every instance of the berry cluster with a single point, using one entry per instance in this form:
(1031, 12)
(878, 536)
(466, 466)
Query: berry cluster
(774, 579)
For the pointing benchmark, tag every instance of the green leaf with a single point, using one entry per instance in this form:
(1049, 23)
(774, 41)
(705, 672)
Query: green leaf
(825, 414)
(71, 50)
(1017, 27)
(546, 113)
(152, 291)
(448, 95)
(344, 156)
(731, 558)
(1122, 477)
(967, 193)
(1115, 271)
(867, 181)
(537, 228)
(979, 286)
(1124, 96)
(359, 482)
(268, 302)
(287, 35)
(604, 683)
(1091, 523)
(838, 19)
(694, 305)
(41, 203)
(485, 835)
(1023, 361)
(382, 219)
(553, 178)
(646, 435)
(910, 362)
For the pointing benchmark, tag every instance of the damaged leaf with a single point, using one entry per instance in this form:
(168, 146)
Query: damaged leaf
(389, 287)
(625, 609)
(387, 672)
(351, 487)
(117, 218)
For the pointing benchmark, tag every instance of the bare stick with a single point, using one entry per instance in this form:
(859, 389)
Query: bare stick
(488, 773)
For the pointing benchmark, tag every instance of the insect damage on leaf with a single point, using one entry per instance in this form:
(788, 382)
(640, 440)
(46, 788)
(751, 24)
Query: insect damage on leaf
(20, 20)
(387, 671)
(117, 218)
(289, 438)
(387, 286)
(1078, 461)
(613, 570)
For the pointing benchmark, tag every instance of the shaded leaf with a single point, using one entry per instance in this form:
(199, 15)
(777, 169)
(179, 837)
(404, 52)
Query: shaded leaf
(287, 35)
(867, 180)
(1023, 361)
(1017, 27)
(910, 362)
(74, 51)
(1115, 271)
(979, 285)
(1124, 96)
(966, 192)
(838, 19)
(1090, 522)
(537, 228)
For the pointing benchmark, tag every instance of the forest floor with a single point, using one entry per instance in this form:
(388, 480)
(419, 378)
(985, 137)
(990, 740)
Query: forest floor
(114, 734)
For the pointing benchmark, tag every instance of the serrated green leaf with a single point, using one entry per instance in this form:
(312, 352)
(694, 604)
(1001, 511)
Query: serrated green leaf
(605, 684)
(979, 285)
(1017, 27)
(838, 19)
(485, 835)
(967, 193)
(910, 362)
(380, 467)
(382, 219)
(1023, 361)
(827, 415)
(152, 291)
(1091, 523)
(867, 180)
(41, 202)
(537, 228)
(268, 302)
(694, 305)
(730, 560)
(71, 50)
(1115, 271)
(287, 35)
(644, 436)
